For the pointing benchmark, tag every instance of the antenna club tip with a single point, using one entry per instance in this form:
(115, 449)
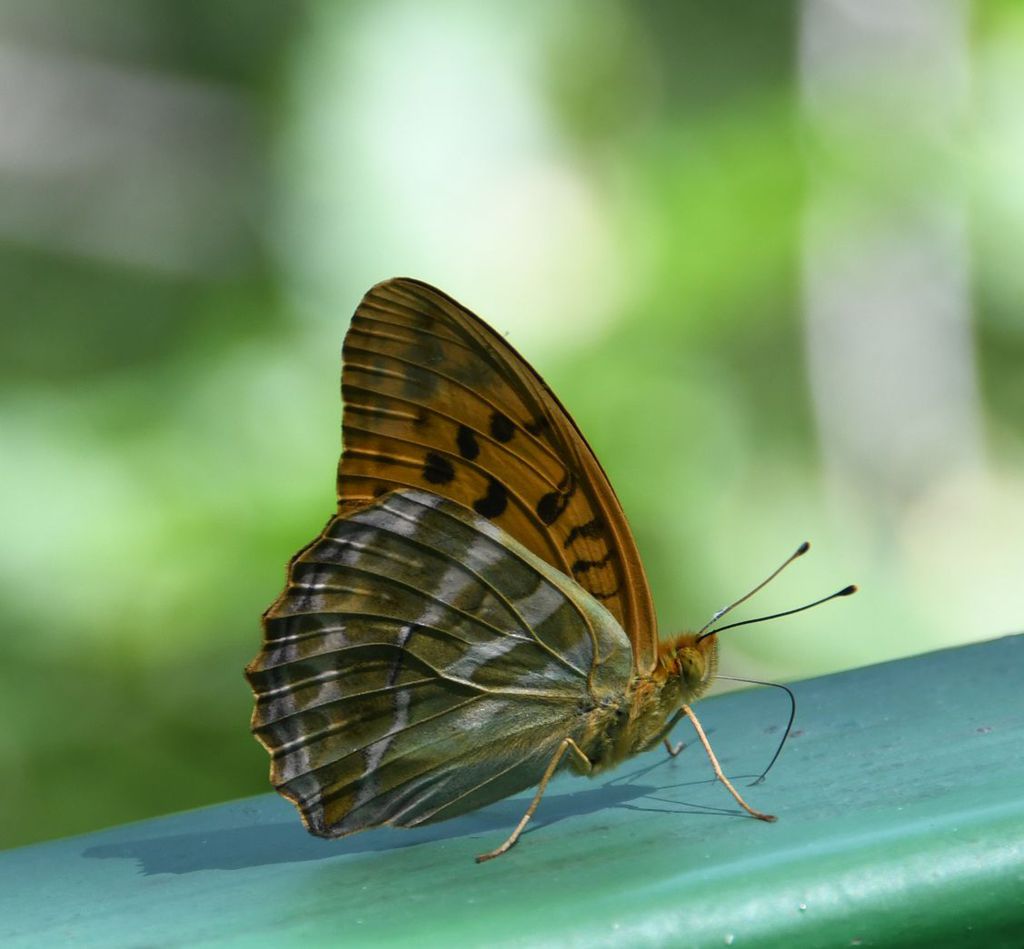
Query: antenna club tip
(848, 591)
(802, 549)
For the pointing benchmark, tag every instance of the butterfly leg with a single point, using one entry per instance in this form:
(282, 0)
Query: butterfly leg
(662, 736)
(556, 759)
(673, 750)
(718, 768)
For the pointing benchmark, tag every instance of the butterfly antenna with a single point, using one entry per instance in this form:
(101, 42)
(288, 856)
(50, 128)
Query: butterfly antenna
(799, 552)
(845, 591)
(789, 724)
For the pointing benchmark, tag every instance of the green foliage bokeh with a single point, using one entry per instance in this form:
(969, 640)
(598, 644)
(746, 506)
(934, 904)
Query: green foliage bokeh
(169, 408)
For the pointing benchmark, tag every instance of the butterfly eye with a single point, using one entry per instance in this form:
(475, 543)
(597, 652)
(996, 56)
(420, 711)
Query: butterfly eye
(692, 667)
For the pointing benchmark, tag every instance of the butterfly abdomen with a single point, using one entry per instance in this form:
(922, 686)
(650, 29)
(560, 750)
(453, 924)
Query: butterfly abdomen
(631, 723)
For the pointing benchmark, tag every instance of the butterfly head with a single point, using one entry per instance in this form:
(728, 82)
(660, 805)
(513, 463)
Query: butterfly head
(692, 661)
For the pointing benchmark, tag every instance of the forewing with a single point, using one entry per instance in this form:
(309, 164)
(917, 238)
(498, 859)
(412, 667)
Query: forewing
(434, 398)
(421, 663)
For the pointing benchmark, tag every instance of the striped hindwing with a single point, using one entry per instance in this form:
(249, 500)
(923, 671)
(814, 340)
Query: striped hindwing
(421, 663)
(435, 399)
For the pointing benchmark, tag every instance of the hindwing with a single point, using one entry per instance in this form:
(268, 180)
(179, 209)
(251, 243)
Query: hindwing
(422, 663)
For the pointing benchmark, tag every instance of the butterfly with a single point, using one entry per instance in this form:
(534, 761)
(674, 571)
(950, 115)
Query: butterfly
(475, 615)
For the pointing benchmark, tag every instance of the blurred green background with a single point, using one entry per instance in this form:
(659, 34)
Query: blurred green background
(767, 254)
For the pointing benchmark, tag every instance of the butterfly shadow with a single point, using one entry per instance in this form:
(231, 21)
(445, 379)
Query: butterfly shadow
(652, 793)
(239, 848)
(265, 844)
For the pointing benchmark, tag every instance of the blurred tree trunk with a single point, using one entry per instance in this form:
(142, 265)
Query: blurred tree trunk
(886, 272)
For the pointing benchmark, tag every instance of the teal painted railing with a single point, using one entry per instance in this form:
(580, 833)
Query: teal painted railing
(900, 800)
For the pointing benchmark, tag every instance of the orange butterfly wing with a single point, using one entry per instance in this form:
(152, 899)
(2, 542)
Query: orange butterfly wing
(435, 399)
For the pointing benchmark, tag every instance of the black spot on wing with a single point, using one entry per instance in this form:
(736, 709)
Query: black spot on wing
(582, 566)
(502, 427)
(437, 469)
(593, 528)
(537, 426)
(494, 501)
(466, 440)
(551, 505)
